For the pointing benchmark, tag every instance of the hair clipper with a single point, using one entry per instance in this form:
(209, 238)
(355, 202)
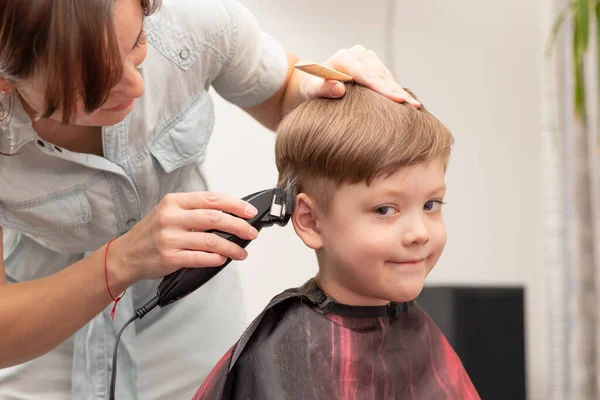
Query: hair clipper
(275, 206)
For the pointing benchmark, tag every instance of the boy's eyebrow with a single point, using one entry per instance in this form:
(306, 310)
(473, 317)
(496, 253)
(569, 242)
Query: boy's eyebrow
(399, 192)
(441, 188)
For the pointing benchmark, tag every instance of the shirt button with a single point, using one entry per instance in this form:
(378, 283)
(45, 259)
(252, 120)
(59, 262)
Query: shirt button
(131, 223)
(184, 54)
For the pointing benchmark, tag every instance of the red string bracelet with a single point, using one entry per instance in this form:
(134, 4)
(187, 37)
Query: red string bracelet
(116, 300)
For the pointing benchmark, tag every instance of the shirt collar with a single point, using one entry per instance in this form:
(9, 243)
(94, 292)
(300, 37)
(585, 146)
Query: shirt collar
(17, 130)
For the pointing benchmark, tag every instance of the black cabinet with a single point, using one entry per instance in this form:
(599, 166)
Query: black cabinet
(485, 326)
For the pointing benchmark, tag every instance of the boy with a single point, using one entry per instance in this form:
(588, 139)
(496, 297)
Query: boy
(369, 174)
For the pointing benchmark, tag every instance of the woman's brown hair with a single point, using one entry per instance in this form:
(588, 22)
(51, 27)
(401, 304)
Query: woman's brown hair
(72, 42)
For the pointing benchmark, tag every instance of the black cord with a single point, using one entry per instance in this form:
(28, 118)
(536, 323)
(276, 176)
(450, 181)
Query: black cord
(139, 314)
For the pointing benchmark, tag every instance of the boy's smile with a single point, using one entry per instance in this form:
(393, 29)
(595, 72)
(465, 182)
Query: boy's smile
(377, 243)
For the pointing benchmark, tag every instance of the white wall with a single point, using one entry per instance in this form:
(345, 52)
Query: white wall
(476, 65)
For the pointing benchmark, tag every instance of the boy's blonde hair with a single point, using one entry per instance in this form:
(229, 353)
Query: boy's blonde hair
(324, 143)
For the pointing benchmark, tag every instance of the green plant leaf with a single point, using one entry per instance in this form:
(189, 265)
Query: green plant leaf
(578, 53)
(597, 9)
(583, 21)
(558, 22)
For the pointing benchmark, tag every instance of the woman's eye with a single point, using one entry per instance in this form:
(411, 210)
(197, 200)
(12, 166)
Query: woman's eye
(385, 210)
(433, 205)
(142, 40)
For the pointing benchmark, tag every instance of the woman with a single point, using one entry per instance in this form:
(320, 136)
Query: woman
(96, 146)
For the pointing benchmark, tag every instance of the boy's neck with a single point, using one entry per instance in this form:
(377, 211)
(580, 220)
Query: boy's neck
(343, 295)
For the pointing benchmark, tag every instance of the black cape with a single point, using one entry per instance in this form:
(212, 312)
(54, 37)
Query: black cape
(305, 346)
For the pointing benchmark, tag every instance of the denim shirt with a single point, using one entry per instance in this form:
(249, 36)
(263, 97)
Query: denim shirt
(56, 205)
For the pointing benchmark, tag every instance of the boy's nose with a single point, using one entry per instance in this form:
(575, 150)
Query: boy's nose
(415, 232)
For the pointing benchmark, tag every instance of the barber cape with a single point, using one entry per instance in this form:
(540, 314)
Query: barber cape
(304, 345)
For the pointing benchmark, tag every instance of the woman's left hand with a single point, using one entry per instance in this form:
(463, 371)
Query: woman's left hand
(365, 67)
(361, 64)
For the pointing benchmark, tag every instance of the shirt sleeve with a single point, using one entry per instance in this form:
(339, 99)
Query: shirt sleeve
(10, 239)
(256, 65)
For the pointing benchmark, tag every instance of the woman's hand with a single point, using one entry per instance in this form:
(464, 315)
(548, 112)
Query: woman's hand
(171, 236)
(361, 64)
(364, 67)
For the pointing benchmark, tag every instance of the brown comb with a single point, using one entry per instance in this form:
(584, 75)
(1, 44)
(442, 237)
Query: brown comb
(323, 71)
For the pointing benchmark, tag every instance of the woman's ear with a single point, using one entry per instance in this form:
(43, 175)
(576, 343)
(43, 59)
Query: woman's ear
(306, 221)
(6, 86)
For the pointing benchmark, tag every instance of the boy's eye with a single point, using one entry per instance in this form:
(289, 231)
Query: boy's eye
(385, 210)
(433, 205)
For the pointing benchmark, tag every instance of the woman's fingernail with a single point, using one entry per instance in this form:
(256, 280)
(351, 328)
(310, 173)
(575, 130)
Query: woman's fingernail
(252, 231)
(337, 89)
(251, 210)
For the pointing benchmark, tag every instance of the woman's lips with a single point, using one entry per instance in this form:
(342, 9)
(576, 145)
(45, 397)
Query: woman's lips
(121, 106)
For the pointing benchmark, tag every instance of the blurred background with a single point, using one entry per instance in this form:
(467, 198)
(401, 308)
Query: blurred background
(515, 288)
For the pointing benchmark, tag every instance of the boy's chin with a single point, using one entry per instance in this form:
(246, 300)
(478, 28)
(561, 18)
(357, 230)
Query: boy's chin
(405, 293)
(379, 294)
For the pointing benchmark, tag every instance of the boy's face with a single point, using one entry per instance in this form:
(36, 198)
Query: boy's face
(378, 243)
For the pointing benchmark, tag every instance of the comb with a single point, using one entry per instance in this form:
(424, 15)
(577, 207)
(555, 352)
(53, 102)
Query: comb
(322, 71)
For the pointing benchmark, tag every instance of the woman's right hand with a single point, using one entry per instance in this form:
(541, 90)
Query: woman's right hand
(172, 236)
(168, 238)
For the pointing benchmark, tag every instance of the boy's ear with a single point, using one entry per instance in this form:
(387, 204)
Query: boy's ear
(305, 220)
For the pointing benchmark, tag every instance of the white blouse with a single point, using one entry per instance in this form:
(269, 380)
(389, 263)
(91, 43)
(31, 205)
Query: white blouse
(57, 205)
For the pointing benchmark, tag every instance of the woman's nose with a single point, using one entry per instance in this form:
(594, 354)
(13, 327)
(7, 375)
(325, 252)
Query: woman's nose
(131, 84)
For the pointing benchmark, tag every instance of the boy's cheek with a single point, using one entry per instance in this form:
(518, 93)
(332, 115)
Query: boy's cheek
(442, 236)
